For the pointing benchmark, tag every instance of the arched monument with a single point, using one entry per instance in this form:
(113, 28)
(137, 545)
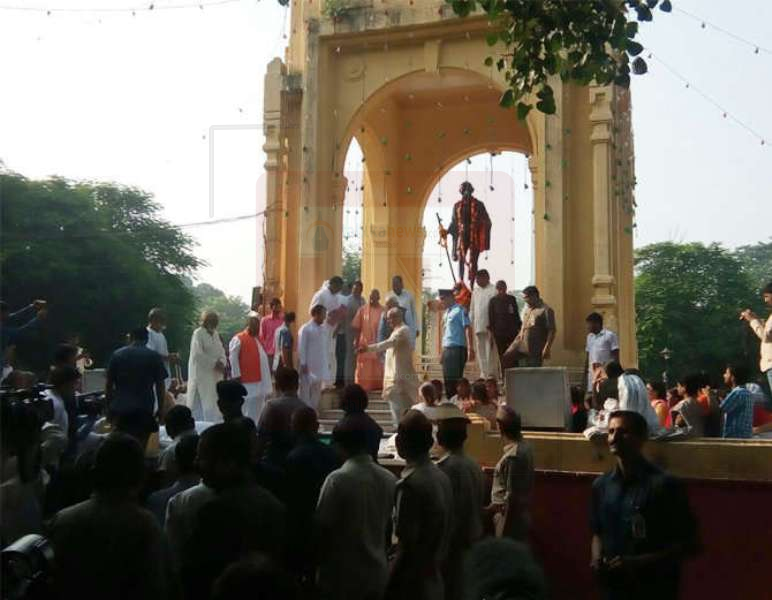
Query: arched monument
(407, 79)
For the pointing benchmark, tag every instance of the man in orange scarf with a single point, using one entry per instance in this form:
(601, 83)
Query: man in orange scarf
(249, 364)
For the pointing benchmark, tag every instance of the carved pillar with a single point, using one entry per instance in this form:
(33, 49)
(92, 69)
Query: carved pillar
(601, 120)
(316, 229)
(272, 129)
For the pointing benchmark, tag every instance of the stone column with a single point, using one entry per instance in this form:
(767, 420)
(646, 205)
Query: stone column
(316, 234)
(548, 180)
(601, 120)
(272, 127)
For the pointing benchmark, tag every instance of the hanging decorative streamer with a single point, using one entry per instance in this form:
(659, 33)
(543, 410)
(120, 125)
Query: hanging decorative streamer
(724, 112)
(512, 209)
(151, 6)
(703, 24)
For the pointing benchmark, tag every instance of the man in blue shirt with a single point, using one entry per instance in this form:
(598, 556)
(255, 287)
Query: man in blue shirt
(642, 525)
(135, 377)
(737, 407)
(456, 339)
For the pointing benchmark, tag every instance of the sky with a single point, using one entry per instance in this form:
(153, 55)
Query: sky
(171, 101)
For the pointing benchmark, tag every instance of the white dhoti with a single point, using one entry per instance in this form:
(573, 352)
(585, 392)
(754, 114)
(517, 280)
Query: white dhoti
(203, 406)
(310, 390)
(400, 399)
(487, 356)
(206, 351)
(253, 402)
(313, 357)
(257, 393)
(332, 360)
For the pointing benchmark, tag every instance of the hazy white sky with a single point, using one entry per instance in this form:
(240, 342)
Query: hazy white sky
(133, 99)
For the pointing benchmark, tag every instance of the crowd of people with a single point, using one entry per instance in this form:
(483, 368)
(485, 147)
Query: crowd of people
(262, 510)
(246, 499)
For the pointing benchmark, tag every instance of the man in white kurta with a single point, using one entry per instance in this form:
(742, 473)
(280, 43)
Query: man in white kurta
(156, 340)
(400, 382)
(251, 369)
(206, 367)
(487, 356)
(407, 302)
(313, 357)
(330, 297)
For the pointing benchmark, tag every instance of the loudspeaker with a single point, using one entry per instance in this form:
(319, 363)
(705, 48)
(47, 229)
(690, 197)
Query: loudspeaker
(540, 395)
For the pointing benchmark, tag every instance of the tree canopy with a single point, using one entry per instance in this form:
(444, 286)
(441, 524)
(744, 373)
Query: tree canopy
(757, 262)
(231, 309)
(577, 41)
(688, 299)
(352, 264)
(100, 254)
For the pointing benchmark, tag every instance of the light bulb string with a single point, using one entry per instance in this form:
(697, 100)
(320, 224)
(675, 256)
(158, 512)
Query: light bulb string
(756, 47)
(725, 113)
(106, 9)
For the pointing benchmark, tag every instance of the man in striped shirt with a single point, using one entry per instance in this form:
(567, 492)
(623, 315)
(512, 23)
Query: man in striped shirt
(737, 407)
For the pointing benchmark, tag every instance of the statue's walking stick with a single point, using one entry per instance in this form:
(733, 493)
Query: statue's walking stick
(444, 244)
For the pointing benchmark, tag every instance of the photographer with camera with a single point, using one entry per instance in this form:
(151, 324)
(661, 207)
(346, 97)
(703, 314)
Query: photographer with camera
(10, 333)
(63, 425)
(22, 413)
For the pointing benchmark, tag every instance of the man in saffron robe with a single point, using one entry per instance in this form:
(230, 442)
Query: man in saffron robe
(369, 371)
(250, 365)
(470, 227)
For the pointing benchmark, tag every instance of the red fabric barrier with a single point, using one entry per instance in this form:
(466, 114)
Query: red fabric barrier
(735, 525)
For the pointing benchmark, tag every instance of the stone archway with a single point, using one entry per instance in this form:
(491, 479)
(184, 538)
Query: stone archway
(412, 130)
(412, 86)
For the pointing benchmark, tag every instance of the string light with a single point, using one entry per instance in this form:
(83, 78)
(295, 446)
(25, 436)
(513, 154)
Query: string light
(703, 24)
(724, 112)
(512, 211)
(126, 10)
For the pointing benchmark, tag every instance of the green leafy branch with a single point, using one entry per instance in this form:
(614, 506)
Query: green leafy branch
(579, 41)
(335, 9)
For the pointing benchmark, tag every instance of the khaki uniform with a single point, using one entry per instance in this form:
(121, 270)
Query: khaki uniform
(511, 490)
(423, 524)
(538, 322)
(466, 479)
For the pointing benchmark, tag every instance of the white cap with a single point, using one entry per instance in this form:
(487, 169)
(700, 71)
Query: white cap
(253, 315)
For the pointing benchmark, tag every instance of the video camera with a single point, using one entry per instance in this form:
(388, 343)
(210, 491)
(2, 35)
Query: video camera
(27, 569)
(91, 404)
(27, 401)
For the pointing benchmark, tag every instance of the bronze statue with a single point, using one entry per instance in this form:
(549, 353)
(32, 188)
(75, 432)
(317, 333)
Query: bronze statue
(471, 231)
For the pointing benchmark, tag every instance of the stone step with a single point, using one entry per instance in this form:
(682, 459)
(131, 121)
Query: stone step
(334, 413)
(327, 425)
